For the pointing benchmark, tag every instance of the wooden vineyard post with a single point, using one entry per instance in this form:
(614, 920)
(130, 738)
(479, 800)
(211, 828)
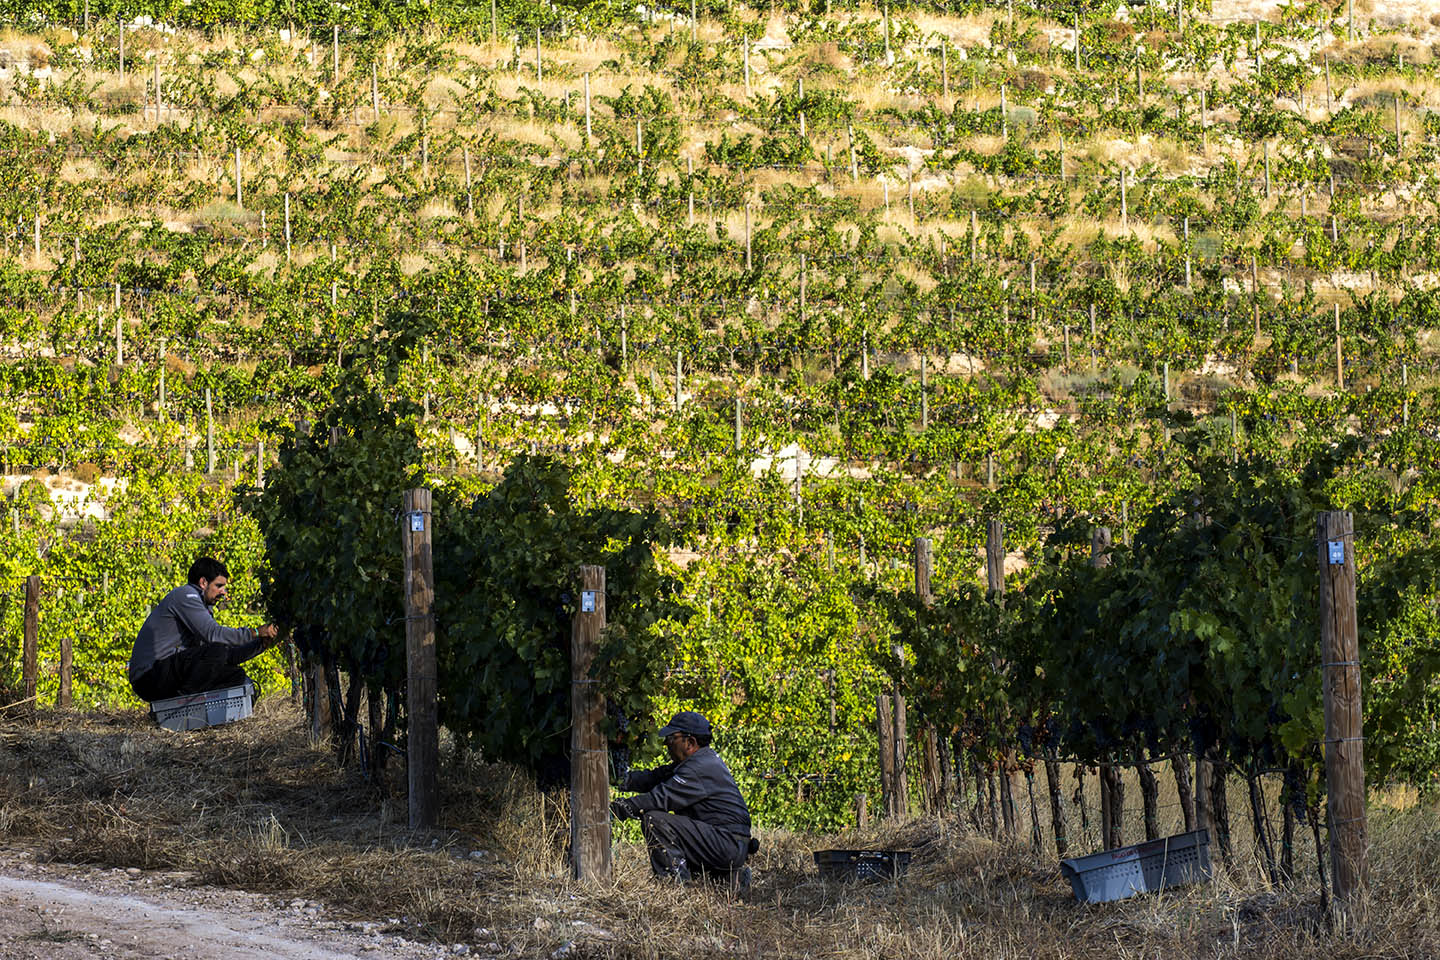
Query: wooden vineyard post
(952, 771)
(1255, 290)
(1093, 359)
(1204, 816)
(1344, 732)
(901, 795)
(374, 708)
(316, 685)
(680, 383)
(589, 133)
(1329, 106)
(995, 559)
(161, 406)
(1100, 540)
(1124, 204)
(63, 698)
(930, 755)
(1339, 353)
(209, 432)
(422, 742)
(995, 590)
(1180, 764)
(885, 738)
(924, 397)
(1058, 826)
(930, 765)
(746, 57)
(589, 769)
(317, 699)
(30, 649)
(748, 257)
(690, 192)
(375, 89)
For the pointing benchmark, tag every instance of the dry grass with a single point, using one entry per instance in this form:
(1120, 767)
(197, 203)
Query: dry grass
(251, 806)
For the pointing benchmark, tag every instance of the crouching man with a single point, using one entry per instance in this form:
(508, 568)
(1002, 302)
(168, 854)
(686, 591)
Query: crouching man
(690, 810)
(182, 650)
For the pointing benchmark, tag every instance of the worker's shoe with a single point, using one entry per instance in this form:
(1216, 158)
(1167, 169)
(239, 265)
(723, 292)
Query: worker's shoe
(741, 879)
(679, 873)
(668, 864)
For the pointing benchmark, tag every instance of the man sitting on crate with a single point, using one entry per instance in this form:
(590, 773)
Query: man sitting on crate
(182, 650)
(690, 810)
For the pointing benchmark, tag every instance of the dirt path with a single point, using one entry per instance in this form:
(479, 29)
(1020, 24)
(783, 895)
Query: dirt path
(59, 913)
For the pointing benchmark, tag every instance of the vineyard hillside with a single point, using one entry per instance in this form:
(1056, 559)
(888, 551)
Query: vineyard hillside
(953, 393)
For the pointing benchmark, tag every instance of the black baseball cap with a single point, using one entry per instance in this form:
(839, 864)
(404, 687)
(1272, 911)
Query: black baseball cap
(688, 722)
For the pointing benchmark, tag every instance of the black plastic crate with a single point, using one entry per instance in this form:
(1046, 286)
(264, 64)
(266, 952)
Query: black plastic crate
(862, 865)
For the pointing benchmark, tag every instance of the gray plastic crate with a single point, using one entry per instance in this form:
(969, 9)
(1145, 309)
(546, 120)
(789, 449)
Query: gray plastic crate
(1140, 868)
(208, 709)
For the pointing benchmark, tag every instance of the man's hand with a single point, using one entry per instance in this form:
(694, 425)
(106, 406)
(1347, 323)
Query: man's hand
(624, 809)
(268, 632)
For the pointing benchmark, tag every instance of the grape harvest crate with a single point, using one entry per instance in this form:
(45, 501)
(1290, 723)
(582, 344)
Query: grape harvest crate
(208, 709)
(1140, 868)
(862, 864)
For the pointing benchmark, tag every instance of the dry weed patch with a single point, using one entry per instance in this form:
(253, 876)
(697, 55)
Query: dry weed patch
(252, 806)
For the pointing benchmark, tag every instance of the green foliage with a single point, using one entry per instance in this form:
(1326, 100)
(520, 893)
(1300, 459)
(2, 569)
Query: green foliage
(506, 561)
(506, 568)
(778, 651)
(332, 575)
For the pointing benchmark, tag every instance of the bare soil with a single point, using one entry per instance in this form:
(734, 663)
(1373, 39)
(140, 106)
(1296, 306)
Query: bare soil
(60, 912)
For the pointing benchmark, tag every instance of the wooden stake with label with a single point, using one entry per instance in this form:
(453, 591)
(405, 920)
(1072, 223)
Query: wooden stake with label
(1344, 730)
(589, 757)
(422, 739)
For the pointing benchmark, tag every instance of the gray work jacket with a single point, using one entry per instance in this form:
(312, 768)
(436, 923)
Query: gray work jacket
(699, 787)
(180, 621)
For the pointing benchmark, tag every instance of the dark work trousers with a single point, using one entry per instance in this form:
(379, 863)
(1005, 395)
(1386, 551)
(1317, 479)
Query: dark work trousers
(681, 847)
(192, 670)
